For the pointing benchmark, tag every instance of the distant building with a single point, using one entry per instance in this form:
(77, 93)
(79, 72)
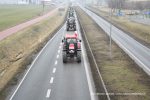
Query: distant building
(8, 1)
(23, 2)
(96, 2)
(46, 2)
(20, 1)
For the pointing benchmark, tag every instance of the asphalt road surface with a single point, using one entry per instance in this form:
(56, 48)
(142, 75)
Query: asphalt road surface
(49, 79)
(138, 52)
(140, 19)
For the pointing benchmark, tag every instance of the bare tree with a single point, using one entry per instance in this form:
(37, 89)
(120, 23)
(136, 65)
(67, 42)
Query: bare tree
(98, 2)
(117, 4)
(137, 5)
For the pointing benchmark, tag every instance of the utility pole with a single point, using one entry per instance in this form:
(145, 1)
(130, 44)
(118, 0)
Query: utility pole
(110, 33)
(43, 5)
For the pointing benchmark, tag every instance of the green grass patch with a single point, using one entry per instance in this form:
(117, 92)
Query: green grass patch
(11, 15)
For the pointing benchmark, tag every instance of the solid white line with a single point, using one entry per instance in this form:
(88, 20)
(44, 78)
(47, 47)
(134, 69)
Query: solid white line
(104, 86)
(147, 70)
(54, 70)
(48, 93)
(87, 71)
(108, 97)
(57, 56)
(33, 64)
(51, 80)
(56, 62)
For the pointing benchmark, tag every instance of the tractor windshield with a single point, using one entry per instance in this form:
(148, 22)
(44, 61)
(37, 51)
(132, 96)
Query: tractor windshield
(71, 40)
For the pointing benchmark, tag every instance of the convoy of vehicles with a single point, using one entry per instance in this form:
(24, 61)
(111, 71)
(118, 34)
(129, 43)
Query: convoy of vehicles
(71, 42)
(71, 23)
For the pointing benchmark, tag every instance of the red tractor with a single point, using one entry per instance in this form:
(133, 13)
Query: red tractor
(71, 48)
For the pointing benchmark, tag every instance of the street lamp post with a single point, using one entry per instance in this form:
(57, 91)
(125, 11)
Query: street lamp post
(110, 35)
(43, 6)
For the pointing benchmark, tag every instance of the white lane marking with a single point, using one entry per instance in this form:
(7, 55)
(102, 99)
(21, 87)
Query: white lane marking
(138, 61)
(48, 93)
(33, 64)
(58, 51)
(57, 56)
(51, 80)
(54, 70)
(88, 70)
(100, 76)
(56, 62)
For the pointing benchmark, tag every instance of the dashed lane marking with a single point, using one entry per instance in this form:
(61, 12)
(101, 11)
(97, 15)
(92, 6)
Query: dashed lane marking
(48, 93)
(57, 56)
(33, 65)
(56, 62)
(54, 70)
(51, 80)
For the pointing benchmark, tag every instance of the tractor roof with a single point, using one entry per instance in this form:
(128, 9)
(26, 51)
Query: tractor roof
(68, 36)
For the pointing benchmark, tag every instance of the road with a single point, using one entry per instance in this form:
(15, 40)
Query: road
(140, 19)
(138, 52)
(49, 78)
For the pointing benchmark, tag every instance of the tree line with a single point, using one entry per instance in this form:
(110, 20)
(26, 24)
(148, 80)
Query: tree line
(127, 4)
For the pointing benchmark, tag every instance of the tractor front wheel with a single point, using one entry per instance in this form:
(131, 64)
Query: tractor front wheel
(64, 57)
(79, 56)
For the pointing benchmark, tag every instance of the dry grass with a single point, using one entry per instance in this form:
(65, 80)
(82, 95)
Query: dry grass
(120, 73)
(17, 50)
(139, 31)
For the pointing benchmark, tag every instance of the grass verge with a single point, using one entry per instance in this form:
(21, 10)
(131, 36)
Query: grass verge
(18, 50)
(119, 72)
(12, 15)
